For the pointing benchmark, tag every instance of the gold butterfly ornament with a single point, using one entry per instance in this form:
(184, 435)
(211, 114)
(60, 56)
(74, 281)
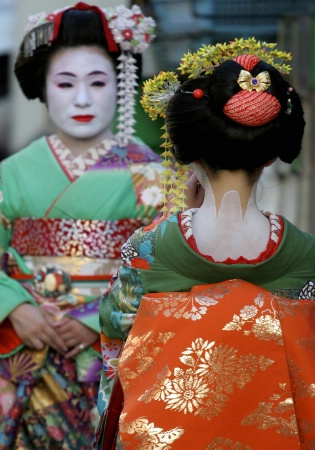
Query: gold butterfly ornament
(259, 83)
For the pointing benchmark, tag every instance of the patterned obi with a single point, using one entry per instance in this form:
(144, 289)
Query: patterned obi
(72, 237)
(87, 250)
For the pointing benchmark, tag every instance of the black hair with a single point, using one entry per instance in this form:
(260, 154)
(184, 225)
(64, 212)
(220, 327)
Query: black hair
(200, 130)
(77, 28)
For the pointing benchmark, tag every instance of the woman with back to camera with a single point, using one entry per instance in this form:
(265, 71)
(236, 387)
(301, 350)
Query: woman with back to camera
(214, 305)
(68, 202)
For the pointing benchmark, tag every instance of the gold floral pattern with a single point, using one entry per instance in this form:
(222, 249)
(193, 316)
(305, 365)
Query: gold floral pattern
(210, 374)
(246, 369)
(277, 412)
(143, 350)
(192, 306)
(226, 444)
(302, 389)
(261, 319)
(149, 436)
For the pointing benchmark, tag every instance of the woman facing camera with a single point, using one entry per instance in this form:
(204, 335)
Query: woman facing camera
(68, 202)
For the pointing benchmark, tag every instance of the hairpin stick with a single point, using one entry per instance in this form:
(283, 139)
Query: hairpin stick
(197, 93)
(289, 102)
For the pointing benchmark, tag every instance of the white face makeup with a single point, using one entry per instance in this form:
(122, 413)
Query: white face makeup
(81, 93)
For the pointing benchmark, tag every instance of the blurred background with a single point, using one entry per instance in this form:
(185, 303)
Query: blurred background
(184, 25)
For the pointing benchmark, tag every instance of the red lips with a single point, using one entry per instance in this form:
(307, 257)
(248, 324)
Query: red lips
(86, 118)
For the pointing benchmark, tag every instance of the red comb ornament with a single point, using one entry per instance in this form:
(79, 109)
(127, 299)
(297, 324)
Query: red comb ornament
(250, 107)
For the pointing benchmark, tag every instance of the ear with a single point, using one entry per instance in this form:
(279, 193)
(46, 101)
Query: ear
(271, 161)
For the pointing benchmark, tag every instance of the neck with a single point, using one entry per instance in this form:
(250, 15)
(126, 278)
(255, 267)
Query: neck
(219, 186)
(229, 223)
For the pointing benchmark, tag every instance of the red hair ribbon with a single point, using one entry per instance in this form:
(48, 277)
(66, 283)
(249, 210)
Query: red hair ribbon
(81, 6)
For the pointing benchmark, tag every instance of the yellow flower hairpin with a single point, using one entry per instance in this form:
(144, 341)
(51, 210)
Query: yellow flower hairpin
(158, 91)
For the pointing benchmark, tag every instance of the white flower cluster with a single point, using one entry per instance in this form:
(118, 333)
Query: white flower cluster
(131, 30)
(41, 18)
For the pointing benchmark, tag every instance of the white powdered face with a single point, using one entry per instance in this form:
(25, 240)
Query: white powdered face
(224, 228)
(81, 94)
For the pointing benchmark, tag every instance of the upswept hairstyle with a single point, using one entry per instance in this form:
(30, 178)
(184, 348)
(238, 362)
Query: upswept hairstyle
(77, 28)
(199, 129)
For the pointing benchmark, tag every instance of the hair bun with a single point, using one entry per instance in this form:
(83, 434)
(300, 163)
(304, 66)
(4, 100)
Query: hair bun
(251, 108)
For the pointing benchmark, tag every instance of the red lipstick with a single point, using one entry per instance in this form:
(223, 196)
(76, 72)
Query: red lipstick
(86, 118)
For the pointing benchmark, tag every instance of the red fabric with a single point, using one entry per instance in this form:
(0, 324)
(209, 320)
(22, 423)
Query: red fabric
(247, 61)
(9, 340)
(72, 237)
(226, 365)
(114, 410)
(252, 108)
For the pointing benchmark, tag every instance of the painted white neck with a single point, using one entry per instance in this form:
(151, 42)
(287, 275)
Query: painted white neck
(229, 223)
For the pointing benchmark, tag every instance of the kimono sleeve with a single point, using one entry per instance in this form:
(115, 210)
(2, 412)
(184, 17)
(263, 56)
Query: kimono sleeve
(12, 294)
(119, 305)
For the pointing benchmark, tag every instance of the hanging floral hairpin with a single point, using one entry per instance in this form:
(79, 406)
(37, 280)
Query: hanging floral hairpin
(158, 91)
(126, 29)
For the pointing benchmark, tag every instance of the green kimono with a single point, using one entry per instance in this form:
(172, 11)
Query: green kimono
(72, 214)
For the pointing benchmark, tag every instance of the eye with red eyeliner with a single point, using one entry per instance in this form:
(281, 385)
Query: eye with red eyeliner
(64, 85)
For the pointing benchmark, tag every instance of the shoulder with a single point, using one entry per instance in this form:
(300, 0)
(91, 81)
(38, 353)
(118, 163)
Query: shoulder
(139, 250)
(293, 232)
(297, 245)
(31, 152)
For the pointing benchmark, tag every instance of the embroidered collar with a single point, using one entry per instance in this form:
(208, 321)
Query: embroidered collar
(276, 231)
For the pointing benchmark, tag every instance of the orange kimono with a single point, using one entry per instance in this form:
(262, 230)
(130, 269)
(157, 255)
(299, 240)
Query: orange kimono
(226, 366)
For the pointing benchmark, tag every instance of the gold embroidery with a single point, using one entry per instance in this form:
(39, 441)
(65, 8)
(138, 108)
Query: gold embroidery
(222, 444)
(300, 387)
(143, 349)
(192, 306)
(264, 324)
(148, 435)
(203, 388)
(277, 413)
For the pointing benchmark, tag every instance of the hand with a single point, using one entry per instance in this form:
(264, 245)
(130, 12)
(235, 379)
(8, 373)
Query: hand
(195, 193)
(76, 335)
(33, 329)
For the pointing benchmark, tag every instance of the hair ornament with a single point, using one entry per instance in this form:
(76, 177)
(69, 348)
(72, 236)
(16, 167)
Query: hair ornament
(158, 91)
(125, 29)
(197, 93)
(259, 83)
(251, 108)
(289, 101)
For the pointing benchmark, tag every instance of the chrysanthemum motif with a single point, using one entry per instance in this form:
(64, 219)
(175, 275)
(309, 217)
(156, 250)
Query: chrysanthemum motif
(186, 391)
(219, 367)
(267, 328)
(159, 390)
